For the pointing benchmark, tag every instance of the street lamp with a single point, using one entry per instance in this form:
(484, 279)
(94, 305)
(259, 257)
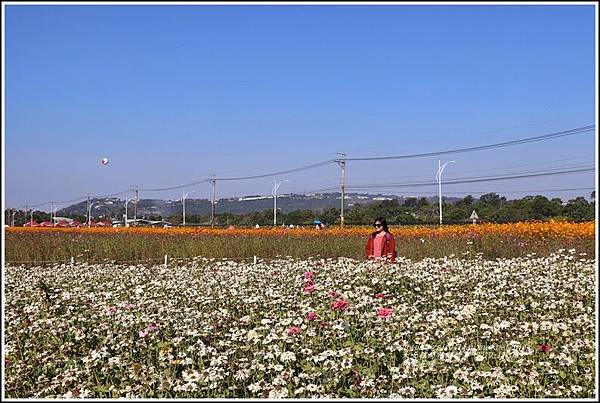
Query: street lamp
(53, 215)
(183, 203)
(126, 202)
(275, 187)
(90, 213)
(439, 179)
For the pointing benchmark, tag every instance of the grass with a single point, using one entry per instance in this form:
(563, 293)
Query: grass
(37, 247)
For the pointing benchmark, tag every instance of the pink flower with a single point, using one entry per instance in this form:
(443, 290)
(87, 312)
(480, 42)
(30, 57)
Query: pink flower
(142, 333)
(340, 305)
(544, 348)
(129, 306)
(309, 275)
(293, 330)
(152, 327)
(384, 312)
(332, 294)
(380, 295)
(309, 288)
(311, 315)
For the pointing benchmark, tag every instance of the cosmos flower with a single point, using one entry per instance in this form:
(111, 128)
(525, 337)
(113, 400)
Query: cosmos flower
(294, 330)
(340, 305)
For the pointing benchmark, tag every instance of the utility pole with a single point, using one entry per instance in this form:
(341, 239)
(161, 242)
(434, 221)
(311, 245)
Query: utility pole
(52, 213)
(342, 164)
(213, 182)
(26, 210)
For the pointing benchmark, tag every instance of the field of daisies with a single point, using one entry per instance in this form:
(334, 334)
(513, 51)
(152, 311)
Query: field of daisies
(303, 328)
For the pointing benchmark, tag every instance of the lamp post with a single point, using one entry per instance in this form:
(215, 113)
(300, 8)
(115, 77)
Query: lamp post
(126, 202)
(90, 213)
(275, 187)
(53, 215)
(439, 180)
(183, 203)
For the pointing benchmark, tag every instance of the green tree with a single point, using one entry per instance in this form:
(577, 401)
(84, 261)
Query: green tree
(579, 209)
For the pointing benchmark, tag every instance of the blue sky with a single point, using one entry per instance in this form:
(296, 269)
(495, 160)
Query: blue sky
(171, 94)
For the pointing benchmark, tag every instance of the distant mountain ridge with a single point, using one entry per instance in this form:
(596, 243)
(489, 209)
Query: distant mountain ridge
(114, 207)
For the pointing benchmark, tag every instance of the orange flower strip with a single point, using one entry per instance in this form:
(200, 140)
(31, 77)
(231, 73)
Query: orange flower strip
(550, 229)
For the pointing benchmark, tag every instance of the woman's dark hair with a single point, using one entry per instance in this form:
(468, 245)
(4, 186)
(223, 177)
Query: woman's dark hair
(383, 223)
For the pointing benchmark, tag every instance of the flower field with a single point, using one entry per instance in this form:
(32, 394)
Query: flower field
(519, 327)
(38, 245)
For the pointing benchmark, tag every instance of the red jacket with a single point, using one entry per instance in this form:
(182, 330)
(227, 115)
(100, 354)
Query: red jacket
(389, 247)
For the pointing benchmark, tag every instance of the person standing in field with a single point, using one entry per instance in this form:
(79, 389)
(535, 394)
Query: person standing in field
(381, 242)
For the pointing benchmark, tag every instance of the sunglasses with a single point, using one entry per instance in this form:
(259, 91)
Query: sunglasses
(377, 225)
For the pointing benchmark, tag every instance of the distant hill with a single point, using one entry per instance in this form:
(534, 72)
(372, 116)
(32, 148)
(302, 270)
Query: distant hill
(113, 207)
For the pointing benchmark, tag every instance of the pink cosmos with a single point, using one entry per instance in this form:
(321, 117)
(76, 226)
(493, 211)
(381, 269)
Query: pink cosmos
(380, 295)
(544, 348)
(311, 315)
(309, 288)
(384, 312)
(340, 305)
(152, 327)
(143, 333)
(309, 275)
(293, 330)
(332, 294)
(129, 306)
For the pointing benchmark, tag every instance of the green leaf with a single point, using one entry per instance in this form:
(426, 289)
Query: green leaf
(562, 374)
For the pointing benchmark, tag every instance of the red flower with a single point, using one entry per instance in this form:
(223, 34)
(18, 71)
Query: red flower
(544, 348)
(384, 312)
(332, 294)
(294, 330)
(309, 288)
(311, 315)
(340, 305)
(380, 295)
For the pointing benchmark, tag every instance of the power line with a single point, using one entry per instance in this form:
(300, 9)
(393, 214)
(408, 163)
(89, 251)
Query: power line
(174, 187)
(477, 133)
(519, 191)
(316, 165)
(465, 180)
(571, 132)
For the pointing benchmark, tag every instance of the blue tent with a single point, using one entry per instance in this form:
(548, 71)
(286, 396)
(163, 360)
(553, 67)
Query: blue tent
(316, 222)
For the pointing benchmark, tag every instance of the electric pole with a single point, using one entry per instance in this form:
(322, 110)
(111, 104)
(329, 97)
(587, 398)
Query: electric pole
(342, 164)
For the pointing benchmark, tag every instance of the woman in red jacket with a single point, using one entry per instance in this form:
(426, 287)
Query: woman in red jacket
(381, 243)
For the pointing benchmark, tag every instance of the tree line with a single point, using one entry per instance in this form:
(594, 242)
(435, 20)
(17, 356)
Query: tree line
(489, 207)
